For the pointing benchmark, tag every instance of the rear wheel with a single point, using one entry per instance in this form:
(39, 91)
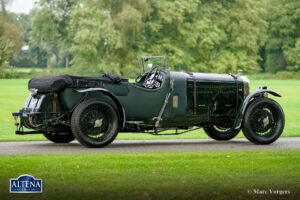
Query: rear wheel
(95, 123)
(219, 133)
(263, 121)
(60, 137)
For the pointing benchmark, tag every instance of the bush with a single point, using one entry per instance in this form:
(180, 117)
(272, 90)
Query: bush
(288, 75)
(281, 75)
(6, 49)
(6, 71)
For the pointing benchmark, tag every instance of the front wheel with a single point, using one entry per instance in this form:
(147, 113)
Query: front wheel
(219, 133)
(60, 137)
(95, 123)
(263, 121)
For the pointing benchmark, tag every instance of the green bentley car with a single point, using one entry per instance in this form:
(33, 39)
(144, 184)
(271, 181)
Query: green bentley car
(94, 110)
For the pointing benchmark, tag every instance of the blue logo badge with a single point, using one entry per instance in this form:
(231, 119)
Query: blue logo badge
(26, 184)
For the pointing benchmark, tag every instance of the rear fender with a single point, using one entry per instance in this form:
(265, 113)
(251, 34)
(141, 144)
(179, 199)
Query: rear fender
(112, 96)
(256, 94)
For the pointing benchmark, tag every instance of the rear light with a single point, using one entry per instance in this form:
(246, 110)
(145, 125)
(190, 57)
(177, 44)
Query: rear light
(16, 120)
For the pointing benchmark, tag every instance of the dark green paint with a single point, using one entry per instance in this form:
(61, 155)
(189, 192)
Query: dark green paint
(142, 104)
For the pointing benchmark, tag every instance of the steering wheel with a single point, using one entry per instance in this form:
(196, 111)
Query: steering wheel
(152, 77)
(138, 78)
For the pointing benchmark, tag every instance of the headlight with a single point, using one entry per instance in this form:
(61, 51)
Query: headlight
(246, 85)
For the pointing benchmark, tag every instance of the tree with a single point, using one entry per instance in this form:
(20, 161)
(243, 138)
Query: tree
(9, 27)
(106, 36)
(213, 36)
(6, 49)
(94, 34)
(283, 45)
(3, 4)
(216, 36)
(51, 29)
(10, 38)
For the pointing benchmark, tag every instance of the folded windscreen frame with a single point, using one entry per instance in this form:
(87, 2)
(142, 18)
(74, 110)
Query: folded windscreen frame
(55, 83)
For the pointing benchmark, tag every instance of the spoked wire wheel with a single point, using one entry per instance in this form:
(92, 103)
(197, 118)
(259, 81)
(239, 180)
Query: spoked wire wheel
(263, 121)
(95, 123)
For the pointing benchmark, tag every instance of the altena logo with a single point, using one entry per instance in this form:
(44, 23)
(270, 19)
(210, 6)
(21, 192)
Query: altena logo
(25, 184)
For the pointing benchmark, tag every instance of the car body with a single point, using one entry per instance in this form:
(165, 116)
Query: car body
(95, 109)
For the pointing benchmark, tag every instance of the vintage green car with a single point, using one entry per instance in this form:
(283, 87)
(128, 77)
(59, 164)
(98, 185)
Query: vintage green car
(94, 110)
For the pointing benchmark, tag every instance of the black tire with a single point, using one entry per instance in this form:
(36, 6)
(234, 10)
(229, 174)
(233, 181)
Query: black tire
(221, 134)
(92, 113)
(263, 121)
(60, 137)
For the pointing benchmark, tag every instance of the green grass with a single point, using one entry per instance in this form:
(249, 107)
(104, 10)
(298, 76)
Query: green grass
(13, 94)
(29, 70)
(164, 175)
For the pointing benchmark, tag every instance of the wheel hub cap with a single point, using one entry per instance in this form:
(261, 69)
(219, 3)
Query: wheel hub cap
(262, 120)
(266, 121)
(98, 123)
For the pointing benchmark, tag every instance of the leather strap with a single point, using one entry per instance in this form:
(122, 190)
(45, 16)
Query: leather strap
(237, 92)
(195, 92)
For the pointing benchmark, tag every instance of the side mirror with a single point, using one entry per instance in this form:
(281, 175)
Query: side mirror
(150, 65)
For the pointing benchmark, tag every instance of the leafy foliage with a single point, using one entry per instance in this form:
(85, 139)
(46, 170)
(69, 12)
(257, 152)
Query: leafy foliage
(215, 36)
(51, 30)
(283, 46)
(10, 39)
(204, 36)
(6, 49)
(94, 38)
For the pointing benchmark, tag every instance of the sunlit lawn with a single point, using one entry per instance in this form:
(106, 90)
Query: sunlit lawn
(13, 94)
(160, 175)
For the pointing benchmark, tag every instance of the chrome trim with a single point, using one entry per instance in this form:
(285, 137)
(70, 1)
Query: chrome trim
(134, 122)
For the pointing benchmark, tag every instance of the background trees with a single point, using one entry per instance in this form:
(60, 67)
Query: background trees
(10, 38)
(51, 30)
(219, 36)
(283, 45)
(107, 36)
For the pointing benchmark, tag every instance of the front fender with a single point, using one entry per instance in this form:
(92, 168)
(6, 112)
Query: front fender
(112, 96)
(257, 93)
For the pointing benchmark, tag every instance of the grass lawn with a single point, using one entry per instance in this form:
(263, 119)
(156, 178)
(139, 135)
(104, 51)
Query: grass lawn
(164, 175)
(28, 70)
(13, 94)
